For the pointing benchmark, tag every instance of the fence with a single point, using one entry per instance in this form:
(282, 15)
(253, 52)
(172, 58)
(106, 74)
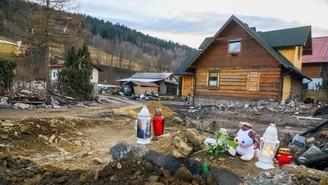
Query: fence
(320, 95)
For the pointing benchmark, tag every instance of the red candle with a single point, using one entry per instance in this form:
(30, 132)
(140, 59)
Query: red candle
(284, 156)
(158, 122)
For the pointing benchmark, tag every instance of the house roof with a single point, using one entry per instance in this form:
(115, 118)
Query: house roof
(287, 37)
(137, 79)
(141, 83)
(190, 57)
(56, 65)
(320, 51)
(205, 42)
(160, 76)
(97, 67)
(259, 38)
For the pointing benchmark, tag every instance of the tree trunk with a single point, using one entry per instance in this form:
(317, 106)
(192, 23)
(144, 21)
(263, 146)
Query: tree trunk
(47, 48)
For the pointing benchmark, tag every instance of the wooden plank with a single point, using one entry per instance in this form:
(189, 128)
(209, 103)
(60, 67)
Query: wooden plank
(269, 84)
(233, 76)
(275, 80)
(269, 76)
(271, 89)
(268, 70)
(225, 87)
(233, 80)
(231, 83)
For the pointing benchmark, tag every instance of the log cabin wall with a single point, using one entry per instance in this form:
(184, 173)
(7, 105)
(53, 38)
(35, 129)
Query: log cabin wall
(251, 74)
(313, 70)
(296, 88)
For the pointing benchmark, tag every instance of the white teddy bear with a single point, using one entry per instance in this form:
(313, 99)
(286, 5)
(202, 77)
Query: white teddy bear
(247, 141)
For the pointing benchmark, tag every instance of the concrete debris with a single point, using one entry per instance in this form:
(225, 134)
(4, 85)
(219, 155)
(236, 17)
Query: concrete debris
(295, 107)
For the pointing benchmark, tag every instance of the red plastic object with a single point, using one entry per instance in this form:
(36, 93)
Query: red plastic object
(284, 156)
(158, 123)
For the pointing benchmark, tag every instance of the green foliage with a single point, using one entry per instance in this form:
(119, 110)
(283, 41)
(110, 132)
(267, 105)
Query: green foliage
(222, 145)
(220, 149)
(120, 32)
(7, 74)
(74, 78)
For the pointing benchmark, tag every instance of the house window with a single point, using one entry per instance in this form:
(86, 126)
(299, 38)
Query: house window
(213, 79)
(234, 46)
(298, 53)
(54, 74)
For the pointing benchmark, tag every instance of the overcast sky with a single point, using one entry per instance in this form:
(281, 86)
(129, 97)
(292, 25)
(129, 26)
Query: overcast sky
(189, 21)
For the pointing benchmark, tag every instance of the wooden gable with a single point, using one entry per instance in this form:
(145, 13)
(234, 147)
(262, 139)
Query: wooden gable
(252, 53)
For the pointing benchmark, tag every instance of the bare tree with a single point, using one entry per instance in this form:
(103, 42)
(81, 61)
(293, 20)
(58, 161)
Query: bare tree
(46, 24)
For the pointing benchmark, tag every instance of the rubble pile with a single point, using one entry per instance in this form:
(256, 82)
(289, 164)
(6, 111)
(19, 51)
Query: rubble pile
(132, 170)
(257, 107)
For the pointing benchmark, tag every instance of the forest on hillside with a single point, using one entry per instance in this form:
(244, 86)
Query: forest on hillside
(116, 45)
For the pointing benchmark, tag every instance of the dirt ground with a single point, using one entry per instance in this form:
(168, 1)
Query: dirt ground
(71, 145)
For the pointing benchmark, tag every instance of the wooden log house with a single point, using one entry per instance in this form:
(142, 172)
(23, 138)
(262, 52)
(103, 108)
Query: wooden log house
(240, 63)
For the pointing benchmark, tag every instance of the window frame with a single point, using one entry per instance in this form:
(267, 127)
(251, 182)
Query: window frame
(209, 79)
(234, 41)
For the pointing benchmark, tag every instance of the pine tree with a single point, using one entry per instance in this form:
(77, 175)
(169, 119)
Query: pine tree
(7, 74)
(74, 78)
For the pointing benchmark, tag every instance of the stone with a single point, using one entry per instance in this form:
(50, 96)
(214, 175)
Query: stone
(177, 154)
(63, 179)
(166, 173)
(2, 136)
(7, 124)
(183, 147)
(149, 166)
(184, 174)
(52, 138)
(153, 178)
(177, 120)
(154, 183)
(119, 166)
(323, 181)
(43, 137)
(83, 178)
(79, 134)
(135, 175)
(77, 143)
(66, 144)
(97, 160)
(221, 159)
(194, 137)
(292, 104)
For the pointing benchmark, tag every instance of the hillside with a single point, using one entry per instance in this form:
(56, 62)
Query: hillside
(111, 45)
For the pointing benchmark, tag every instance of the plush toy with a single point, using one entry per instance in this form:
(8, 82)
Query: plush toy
(247, 141)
